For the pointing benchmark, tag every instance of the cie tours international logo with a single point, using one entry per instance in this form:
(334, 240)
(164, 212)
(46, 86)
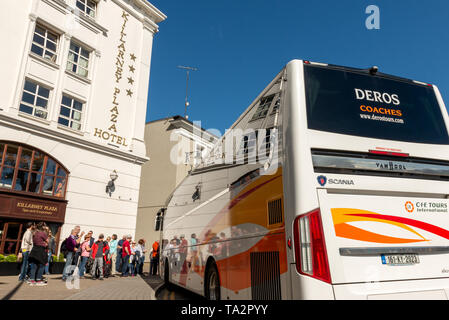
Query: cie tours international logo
(426, 206)
(409, 206)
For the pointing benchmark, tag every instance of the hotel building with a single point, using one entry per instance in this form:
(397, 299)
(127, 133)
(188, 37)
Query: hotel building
(73, 101)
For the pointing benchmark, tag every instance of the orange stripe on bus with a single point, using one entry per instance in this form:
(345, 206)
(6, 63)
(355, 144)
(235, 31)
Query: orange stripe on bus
(350, 232)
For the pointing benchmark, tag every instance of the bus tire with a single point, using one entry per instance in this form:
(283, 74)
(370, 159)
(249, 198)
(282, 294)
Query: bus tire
(212, 284)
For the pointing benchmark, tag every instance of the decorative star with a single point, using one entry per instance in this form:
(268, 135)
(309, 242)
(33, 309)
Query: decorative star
(129, 92)
(130, 80)
(132, 69)
(133, 57)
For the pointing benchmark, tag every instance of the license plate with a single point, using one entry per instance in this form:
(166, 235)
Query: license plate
(399, 259)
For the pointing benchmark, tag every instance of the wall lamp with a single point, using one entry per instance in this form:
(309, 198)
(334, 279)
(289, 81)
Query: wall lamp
(110, 187)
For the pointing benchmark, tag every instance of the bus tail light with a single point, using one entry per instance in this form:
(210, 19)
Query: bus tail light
(310, 246)
(388, 153)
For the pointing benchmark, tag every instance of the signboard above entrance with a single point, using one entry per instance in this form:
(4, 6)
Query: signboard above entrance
(32, 209)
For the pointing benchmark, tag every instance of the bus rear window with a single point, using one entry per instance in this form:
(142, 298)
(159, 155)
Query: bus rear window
(363, 105)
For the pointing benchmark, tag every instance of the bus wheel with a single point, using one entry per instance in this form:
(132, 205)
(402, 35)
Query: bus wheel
(166, 273)
(212, 283)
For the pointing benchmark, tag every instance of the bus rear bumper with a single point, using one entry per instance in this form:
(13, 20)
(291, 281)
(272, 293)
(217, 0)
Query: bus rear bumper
(430, 289)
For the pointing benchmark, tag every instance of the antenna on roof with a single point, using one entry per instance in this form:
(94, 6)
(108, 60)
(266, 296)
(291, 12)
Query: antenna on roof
(188, 69)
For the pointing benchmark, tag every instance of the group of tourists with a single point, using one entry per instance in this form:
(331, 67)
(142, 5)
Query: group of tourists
(101, 257)
(37, 249)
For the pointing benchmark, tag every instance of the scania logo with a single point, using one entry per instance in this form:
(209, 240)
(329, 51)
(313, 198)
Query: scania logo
(341, 181)
(322, 180)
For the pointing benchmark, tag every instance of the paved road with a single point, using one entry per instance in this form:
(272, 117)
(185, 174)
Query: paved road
(116, 288)
(130, 288)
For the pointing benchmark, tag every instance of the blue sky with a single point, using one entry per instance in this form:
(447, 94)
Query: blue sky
(240, 45)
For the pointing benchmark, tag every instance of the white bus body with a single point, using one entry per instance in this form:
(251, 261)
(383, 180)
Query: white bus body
(349, 202)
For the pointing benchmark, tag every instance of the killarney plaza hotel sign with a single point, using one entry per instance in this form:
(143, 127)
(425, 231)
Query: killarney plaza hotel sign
(72, 114)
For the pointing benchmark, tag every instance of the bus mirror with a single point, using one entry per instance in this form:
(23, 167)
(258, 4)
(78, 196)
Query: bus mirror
(157, 223)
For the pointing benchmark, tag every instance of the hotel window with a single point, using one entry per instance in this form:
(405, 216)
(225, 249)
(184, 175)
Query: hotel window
(78, 60)
(263, 108)
(89, 7)
(24, 169)
(44, 43)
(12, 231)
(71, 112)
(34, 99)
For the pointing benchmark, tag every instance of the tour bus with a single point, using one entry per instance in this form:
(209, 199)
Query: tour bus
(332, 184)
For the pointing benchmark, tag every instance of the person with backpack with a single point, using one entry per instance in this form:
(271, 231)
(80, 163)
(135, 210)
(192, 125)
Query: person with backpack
(38, 255)
(68, 248)
(100, 249)
(119, 261)
(51, 250)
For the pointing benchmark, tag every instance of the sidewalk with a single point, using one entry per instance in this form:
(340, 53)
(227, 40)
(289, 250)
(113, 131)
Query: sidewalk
(115, 288)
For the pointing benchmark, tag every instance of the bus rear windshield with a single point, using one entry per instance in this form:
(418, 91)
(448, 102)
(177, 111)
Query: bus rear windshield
(363, 105)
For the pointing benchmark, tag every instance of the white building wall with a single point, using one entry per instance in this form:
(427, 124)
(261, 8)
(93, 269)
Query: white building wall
(86, 153)
(88, 204)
